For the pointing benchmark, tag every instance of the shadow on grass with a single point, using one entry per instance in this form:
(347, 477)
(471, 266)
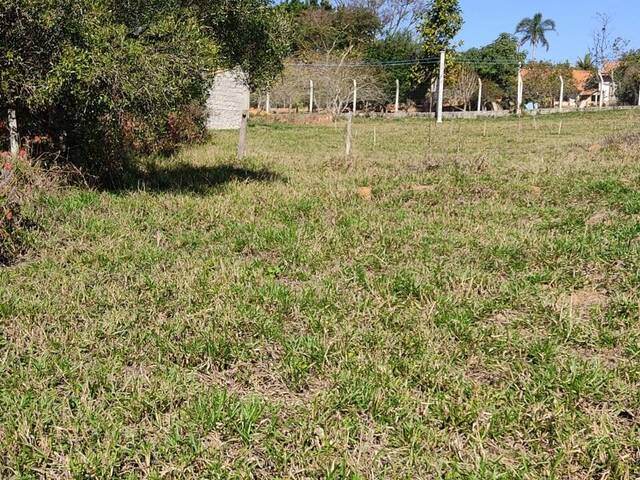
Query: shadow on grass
(186, 178)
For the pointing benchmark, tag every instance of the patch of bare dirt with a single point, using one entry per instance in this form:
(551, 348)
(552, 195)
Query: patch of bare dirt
(582, 302)
(603, 217)
(422, 188)
(366, 193)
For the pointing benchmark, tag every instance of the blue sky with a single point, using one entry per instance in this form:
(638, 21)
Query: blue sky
(575, 19)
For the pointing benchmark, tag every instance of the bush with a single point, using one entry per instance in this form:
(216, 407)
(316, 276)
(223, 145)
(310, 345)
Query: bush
(104, 81)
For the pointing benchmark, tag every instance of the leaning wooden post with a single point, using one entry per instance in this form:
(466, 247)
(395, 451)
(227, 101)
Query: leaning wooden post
(479, 94)
(520, 90)
(397, 96)
(311, 99)
(441, 86)
(242, 140)
(348, 138)
(561, 92)
(355, 96)
(14, 136)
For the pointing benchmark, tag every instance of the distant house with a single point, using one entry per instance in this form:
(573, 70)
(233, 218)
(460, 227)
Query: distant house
(228, 98)
(589, 93)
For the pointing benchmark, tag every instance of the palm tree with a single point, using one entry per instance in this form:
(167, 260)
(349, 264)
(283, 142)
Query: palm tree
(586, 63)
(533, 31)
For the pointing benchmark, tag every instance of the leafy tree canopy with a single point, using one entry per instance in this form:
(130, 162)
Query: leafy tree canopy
(440, 25)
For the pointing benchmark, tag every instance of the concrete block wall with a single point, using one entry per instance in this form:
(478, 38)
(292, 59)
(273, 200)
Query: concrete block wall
(228, 98)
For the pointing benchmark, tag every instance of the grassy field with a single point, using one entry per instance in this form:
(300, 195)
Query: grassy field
(474, 315)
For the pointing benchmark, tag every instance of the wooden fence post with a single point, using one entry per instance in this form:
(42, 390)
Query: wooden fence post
(14, 136)
(348, 139)
(242, 141)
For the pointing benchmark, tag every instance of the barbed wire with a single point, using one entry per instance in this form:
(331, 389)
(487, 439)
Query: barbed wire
(403, 63)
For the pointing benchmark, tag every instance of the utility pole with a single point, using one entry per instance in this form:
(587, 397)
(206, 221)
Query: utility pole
(441, 86)
(561, 92)
(14, 136)
(479, 94)
(520, 90)
(310, 96)
(355, 96)
(397, 96)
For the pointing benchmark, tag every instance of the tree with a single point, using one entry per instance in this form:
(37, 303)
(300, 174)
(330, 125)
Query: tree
(399, 46)
(497, 65)
(441, 22)
(333, 74)
(542, 83)
(534, 31)
(325, 30)
(629, 74)
(462, 87)
(396, 16)
(586, 63)
(605, 47)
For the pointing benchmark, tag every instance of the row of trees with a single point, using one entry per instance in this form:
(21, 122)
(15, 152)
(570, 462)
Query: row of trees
(378, 41)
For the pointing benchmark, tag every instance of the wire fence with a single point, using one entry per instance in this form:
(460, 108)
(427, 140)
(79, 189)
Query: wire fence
(458, 87)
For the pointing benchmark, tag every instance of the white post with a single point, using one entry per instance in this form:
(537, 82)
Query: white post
(348, 138)
(520, 90)
(14, 136)
(441, 86)
(601, 90)
(639, 96)
(479, 95)
(561, 92)
(355, 96)
(310, 96)
(268, 103)
(397, 96)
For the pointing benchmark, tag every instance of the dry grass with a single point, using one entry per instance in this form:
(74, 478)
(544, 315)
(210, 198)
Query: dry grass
(449, 304)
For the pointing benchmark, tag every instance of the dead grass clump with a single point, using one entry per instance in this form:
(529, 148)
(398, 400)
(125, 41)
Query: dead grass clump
(20, 183)
(629, 141)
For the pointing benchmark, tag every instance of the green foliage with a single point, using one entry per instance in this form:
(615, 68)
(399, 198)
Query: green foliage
(399, 46)
(106, 79)
(534, 31)
(251, 34)
(586, 63)
(440, 24)
(628, 78)
(326, 30)
(497, 65)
